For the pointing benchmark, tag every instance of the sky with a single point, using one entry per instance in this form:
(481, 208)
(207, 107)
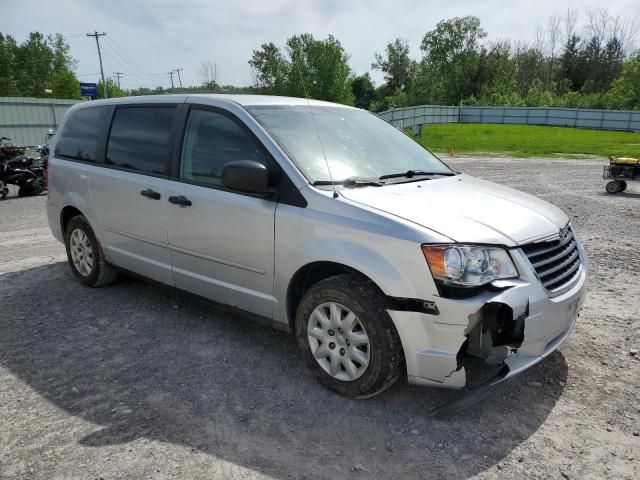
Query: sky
(147, 38)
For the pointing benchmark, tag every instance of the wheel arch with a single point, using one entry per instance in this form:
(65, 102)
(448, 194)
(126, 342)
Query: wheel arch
(75, 203)
(66, 214)
(310, 274)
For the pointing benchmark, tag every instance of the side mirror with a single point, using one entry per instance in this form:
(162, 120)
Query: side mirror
(246, 176)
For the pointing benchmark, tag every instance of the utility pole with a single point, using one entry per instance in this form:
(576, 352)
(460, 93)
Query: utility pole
(118, 75)
(178, 70)
(97, 35)
(171, 75)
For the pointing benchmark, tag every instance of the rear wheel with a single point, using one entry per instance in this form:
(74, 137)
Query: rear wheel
(612, 187)
(623, 185)
(347, 338)
(33, 188)
(25, 190)
(85, 255)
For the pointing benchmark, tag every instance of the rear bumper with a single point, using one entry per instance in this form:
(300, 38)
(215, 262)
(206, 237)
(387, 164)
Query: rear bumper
(435, 346)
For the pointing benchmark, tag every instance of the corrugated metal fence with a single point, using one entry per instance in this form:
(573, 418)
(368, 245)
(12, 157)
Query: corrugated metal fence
(26, 121)
(558, 117)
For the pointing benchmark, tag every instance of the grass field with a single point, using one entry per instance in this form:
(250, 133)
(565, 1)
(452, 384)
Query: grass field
(528, 141)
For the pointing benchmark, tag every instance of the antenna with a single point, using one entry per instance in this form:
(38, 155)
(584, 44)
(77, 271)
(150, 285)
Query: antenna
(306, 94)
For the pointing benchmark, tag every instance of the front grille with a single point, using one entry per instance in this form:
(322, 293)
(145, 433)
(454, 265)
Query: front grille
(557, 262)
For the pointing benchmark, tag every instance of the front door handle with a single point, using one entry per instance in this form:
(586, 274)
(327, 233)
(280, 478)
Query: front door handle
(150, 194)
(180, 200)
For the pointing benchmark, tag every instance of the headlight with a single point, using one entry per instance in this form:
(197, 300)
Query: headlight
(468, 265)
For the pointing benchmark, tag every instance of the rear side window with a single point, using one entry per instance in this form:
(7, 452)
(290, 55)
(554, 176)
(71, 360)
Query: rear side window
(140, 139)
(79, 137)
(211, 140)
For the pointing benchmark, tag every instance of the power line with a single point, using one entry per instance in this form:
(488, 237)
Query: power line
(145, 74)
(112, 64)
(108, 59)
(171, 75)
(97, 35)
(124, 55)
(136, 86)
(129, 62)
(122, 60)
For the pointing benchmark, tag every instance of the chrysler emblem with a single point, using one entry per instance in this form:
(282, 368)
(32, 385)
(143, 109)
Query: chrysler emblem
(562, 233)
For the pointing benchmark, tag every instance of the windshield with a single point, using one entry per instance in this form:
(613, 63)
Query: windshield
(356, 143)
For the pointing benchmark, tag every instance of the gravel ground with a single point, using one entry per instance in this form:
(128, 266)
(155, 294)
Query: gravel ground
(135, 380)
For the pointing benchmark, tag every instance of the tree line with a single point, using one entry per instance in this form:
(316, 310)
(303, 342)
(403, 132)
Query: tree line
(39, 66)
(590, 63)
(593, 66)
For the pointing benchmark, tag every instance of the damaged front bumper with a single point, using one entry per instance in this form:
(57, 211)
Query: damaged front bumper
(492, 336)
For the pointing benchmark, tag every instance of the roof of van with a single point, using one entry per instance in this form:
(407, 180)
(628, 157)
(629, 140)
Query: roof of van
(244, 100)
(248, 100)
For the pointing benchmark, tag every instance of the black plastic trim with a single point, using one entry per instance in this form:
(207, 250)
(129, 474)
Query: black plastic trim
(182, 117)
(289, 194)
(69, 158)
(101, 146)
(411, 305)
(128, 170)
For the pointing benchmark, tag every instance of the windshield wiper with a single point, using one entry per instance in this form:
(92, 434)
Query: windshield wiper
(351, 182)
(415, 173)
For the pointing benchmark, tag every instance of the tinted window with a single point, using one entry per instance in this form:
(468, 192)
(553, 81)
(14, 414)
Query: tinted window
(140, 139)
(79, 137)
(210, 141)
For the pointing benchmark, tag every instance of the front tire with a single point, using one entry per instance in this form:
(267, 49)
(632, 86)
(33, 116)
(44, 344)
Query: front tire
(347, 338)
(85, 255)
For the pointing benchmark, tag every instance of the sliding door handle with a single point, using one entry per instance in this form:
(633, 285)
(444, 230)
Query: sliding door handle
(180, 200)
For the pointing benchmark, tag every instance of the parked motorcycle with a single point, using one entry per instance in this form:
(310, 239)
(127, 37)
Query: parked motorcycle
(40, 165)
(27, 173)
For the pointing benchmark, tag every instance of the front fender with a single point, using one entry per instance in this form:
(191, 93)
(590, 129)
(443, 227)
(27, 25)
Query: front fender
(365, 260)
(395, 264)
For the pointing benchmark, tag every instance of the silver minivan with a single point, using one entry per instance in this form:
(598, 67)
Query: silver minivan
(326, 221)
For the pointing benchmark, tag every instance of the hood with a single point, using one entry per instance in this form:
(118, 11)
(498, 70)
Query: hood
(466, 209)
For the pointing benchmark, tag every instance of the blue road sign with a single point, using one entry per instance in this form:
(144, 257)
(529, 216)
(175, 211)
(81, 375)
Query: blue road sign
(89, 89)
